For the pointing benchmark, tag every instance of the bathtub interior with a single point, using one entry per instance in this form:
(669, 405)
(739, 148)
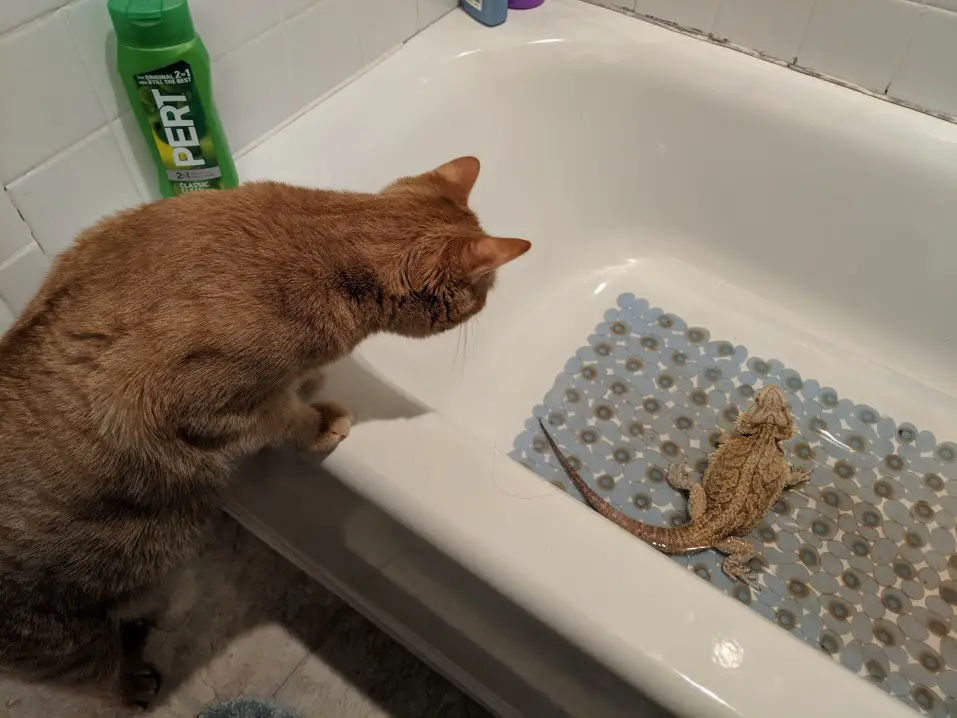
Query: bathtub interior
(706, 188)
(859, 562)
(807, 244)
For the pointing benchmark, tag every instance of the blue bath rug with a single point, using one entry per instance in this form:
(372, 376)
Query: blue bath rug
(247, 708)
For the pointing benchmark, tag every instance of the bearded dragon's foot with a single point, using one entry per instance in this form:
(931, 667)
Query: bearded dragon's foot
(741, 571)
(798, 475)
(679, 476)
(739, 553)
(335, 426)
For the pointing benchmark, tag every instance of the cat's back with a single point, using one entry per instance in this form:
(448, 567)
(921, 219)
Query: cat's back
(96, 359)
(156, 270)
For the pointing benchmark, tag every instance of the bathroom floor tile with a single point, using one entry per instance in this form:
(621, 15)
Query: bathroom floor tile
(243, 621)
(23, 700)
(359, 671)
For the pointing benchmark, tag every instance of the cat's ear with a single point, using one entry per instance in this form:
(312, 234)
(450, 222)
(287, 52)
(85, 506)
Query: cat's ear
(485, 254)
(459, 177)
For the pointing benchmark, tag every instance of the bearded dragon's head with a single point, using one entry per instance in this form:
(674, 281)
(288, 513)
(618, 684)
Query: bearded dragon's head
(769, 409)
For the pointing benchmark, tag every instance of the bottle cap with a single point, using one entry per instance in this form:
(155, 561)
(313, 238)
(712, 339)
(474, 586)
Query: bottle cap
(151, 23)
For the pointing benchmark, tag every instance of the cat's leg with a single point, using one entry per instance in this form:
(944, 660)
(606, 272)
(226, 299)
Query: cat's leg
(139, 679)
(335, 421)
(301, 419)
(85, 652)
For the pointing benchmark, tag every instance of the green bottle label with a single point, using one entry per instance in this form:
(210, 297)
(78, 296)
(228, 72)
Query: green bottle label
(179, 128)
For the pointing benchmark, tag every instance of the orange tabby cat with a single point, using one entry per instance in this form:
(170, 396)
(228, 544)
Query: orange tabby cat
(169, 342)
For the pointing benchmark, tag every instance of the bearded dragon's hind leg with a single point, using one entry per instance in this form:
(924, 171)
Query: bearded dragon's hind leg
(739, 552)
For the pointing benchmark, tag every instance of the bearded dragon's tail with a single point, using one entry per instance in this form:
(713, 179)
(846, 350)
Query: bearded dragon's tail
(681, 539)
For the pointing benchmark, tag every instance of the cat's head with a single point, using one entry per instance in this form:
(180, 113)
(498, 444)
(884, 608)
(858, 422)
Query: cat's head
(441, 267)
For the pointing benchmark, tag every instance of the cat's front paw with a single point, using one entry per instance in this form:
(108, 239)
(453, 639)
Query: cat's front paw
(334, 427)
(139, 684)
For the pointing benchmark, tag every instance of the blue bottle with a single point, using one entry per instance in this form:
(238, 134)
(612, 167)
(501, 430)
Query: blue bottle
(488, 12)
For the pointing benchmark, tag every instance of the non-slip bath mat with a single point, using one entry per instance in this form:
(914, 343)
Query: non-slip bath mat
(247, 708)
(860, 562)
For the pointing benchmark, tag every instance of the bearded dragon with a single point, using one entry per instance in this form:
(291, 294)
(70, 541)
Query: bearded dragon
(745, 477)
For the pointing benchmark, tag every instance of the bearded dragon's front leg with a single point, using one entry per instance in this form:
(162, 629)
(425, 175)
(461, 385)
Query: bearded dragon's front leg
(679, 477)
(796, 475)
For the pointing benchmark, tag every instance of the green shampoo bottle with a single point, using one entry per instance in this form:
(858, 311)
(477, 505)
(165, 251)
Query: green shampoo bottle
(165, 70)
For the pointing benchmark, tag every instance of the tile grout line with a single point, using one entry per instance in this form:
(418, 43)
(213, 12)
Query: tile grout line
(281, 683)
(8, 258)
(804, 33)
(22, 252)
(330, 623)
(907, 45)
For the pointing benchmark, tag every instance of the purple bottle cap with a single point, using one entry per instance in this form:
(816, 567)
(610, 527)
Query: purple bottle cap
(523, 4)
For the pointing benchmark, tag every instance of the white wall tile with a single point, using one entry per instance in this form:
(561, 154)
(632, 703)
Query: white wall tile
(927, 74)
(774, 27)
(93, 34)
(432, 10)
(139, 161)
(17, 12)
(861, 41)
(385, 24)
(71, 151)
(87, 182)
(14, 232)
(254, 89)
(55, 101)
(6, 317)
(693, 14)
(324, 43)
(226, 25)
(21, 276)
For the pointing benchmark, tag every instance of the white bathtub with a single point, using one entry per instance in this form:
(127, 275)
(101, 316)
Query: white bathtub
(812, 223)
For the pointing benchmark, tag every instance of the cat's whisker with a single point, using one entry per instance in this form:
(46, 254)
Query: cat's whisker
(475, 323)
(465, 348)
(465, 354)
(458, 345)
